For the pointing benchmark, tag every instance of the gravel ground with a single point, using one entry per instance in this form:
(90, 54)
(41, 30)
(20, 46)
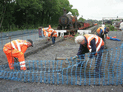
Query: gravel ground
(15, 86)
(66, 48)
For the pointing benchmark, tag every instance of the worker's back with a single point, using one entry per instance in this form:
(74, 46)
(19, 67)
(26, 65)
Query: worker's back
(98, 31)
(16, 44)
(52, 33)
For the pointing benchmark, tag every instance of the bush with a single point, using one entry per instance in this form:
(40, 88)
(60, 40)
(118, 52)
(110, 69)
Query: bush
(111, 27)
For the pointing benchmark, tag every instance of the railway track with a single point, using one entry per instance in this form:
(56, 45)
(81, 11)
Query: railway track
(40, 45)
(93, 29)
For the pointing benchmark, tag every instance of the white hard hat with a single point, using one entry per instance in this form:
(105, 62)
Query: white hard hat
(103, 25)
(79, 39)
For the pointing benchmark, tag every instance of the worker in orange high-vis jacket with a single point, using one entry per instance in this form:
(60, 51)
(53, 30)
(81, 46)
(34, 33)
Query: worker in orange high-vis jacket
(45, 32)
(52, 33)
(16, 49)
(90, 43)
(102, 31)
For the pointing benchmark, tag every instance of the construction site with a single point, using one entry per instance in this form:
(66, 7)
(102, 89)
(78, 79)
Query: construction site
(61, 46)
(54, 65)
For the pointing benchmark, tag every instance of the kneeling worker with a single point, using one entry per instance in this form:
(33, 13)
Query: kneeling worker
(17, 48)
(90, 43)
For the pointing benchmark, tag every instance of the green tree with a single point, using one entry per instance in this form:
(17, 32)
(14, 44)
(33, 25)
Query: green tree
(32, 13)
(75, 12)
(2, 11)
(29, 11)
(81, 19)
(7, 18)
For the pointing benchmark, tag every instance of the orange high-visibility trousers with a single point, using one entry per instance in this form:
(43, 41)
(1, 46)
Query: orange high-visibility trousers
(10, 54)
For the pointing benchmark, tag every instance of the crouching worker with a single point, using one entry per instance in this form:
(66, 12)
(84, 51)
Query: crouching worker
(50, 33)
(102, 31)
(17, 48)
(90, 43)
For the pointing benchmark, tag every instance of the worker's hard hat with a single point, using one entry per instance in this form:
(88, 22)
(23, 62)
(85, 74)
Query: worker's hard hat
(79, 39)
(103, 25)
(29, 40)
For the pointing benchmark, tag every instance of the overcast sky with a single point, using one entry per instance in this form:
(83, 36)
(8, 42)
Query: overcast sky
(96, 9)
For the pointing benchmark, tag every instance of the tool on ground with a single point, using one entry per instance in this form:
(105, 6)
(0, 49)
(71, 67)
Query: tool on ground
(113, 38)
(66, 58)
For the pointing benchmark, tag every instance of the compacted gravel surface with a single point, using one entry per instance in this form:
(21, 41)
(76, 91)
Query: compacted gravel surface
(62, 48)
(68, 48)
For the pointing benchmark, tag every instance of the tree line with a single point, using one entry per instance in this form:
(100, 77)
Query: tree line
(21, 14)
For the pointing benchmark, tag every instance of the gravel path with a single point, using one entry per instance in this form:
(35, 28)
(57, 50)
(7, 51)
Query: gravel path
(66, 48)
(15, 86)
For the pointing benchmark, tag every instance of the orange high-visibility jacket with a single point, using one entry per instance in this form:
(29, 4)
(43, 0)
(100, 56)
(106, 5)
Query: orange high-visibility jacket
(16, 49)
(100, 29)
(99, 41)
(52, 33)
(20, 45)
(45, 32)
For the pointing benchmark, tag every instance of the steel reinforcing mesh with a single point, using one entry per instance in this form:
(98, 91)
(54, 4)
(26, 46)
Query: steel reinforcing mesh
(68, 72)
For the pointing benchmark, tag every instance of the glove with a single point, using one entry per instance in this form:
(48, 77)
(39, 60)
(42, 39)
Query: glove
(48, 39)
(76, 56)
(107, 37)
